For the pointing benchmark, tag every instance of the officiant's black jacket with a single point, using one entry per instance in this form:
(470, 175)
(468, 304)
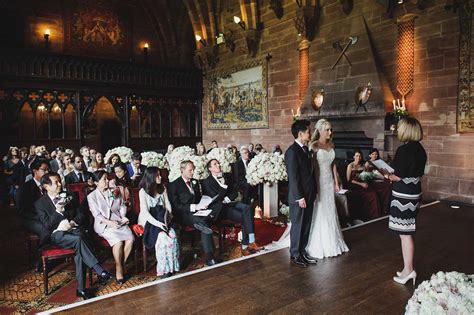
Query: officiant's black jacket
(50, 218)
(301, 183)
(211, 188)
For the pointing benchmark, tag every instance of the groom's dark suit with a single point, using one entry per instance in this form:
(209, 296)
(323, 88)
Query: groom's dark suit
(181, 199)
(301, 184)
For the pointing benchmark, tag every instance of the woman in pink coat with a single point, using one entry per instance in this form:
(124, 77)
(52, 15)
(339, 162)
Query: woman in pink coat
(110, 221)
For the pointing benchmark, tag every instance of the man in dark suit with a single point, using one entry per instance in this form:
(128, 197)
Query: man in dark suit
(63, 224)
(29, 192)
(301, 192)
(79, 174)
(249, 192)
(56, 163)
(135, 168)
(224, 207)
(184, 196)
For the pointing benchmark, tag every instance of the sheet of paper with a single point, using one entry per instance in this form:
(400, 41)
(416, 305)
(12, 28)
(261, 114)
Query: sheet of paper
(202, 213)
(380, 164)
(342, 191)
(205, 201)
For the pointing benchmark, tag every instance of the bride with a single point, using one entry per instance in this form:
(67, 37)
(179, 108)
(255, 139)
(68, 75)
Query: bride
(325, 237)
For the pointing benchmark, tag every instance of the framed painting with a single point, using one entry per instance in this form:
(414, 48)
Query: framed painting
(465, 106)
(237, 99)
(97, 28)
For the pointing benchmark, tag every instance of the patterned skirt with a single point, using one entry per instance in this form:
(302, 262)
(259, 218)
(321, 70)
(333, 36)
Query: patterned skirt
(406, 200)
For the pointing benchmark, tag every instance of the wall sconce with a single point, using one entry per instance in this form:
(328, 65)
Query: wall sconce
(277, 7)
(207, 57)
(46, 35)
(307, 19)
(252, 37)
(202, 41)
(237, 20)
(145, 48)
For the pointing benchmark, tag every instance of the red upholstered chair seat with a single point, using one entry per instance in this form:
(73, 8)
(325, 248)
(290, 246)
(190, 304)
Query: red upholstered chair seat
(56, 251)
(79, 188)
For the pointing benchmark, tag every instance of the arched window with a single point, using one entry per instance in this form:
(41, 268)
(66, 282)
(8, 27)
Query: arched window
(70, 122)
(56, 122)
(134, 125)
(41, 118)
(26, 122)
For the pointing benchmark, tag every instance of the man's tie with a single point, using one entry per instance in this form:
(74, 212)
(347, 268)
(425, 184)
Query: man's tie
(188, 183)
(81, 179)
(306, 150)
(41, 189)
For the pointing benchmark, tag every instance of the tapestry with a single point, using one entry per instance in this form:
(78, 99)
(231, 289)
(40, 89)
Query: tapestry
(97, 27)
(237, 99)
(465, 108)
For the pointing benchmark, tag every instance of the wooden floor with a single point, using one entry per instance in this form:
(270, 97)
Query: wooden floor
(358, 282)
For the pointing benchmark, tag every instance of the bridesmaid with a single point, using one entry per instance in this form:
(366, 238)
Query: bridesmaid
(363, 198)
(110, 221)
(409, 164)
(155, 216)
(382, 187)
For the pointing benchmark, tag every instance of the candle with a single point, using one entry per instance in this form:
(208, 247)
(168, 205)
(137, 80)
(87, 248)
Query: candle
(398, 102)
(403, 103)
(292, 113)
(394, 106)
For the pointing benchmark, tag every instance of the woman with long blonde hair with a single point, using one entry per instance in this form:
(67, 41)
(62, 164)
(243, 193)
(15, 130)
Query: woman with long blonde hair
(325, 237)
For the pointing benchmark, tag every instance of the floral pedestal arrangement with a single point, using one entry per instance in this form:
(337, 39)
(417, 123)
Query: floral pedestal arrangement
(444, 293)
(270, 200)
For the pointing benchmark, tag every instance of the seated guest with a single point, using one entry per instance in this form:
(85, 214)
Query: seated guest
(123, 182)
(277, 150)
(13, 171)
(135, 168)
(29, 192)
(79, 174)
(86, 156)
(259, 148)
(224, 207)
(25, 170)
(63, 223)
(251, 150)
(97, 163)
(249, 192)
(213, 145)
(185, 196)
(381, 186)
(110, 221)
(200, 149)
(155, 215)
(113, 159)
(56, 163)
(363, 200)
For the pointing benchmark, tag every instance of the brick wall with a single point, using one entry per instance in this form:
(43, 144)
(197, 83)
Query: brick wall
(449, 171)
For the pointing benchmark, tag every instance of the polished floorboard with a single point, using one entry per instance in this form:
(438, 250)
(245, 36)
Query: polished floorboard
(358, 282)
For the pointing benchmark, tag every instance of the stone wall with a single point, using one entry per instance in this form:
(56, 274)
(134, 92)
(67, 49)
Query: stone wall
(449, 171)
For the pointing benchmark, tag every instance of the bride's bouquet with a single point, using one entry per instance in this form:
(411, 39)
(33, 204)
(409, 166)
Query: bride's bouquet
(124, 153)
(225, 158)
(444, 293)
(152, 158)
(178, 155)
(266, 168)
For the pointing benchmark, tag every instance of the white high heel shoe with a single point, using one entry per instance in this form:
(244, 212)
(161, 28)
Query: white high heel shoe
(411, 275)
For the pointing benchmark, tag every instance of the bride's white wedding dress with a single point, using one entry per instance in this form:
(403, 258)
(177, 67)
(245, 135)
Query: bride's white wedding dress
(325, 237)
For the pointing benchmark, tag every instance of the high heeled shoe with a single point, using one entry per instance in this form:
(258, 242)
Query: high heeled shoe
(411, 275)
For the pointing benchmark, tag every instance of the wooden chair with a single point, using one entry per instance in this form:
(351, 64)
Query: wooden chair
(30, 240)
(79, 191)
(54, 253)
(221, 230)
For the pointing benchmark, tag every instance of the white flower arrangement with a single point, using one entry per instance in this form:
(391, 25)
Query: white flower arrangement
(285, 210)
(178, 155)
(225, 158)
(200, 170)
(151, 158)
(444, 293)
(266, 168)
(124, 153)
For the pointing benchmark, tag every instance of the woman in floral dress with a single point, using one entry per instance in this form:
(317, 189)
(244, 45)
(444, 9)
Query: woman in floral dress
(155, 217)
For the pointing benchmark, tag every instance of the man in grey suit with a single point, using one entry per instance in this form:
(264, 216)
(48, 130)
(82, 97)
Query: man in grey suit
(301, 192)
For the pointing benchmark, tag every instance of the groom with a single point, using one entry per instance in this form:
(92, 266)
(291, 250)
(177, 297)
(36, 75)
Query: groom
(301, 192)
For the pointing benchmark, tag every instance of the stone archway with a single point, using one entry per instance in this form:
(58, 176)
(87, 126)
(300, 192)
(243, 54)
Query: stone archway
(102, 126)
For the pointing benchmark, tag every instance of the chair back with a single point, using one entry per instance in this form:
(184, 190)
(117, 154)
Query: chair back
(136, 200)
(79, 190)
